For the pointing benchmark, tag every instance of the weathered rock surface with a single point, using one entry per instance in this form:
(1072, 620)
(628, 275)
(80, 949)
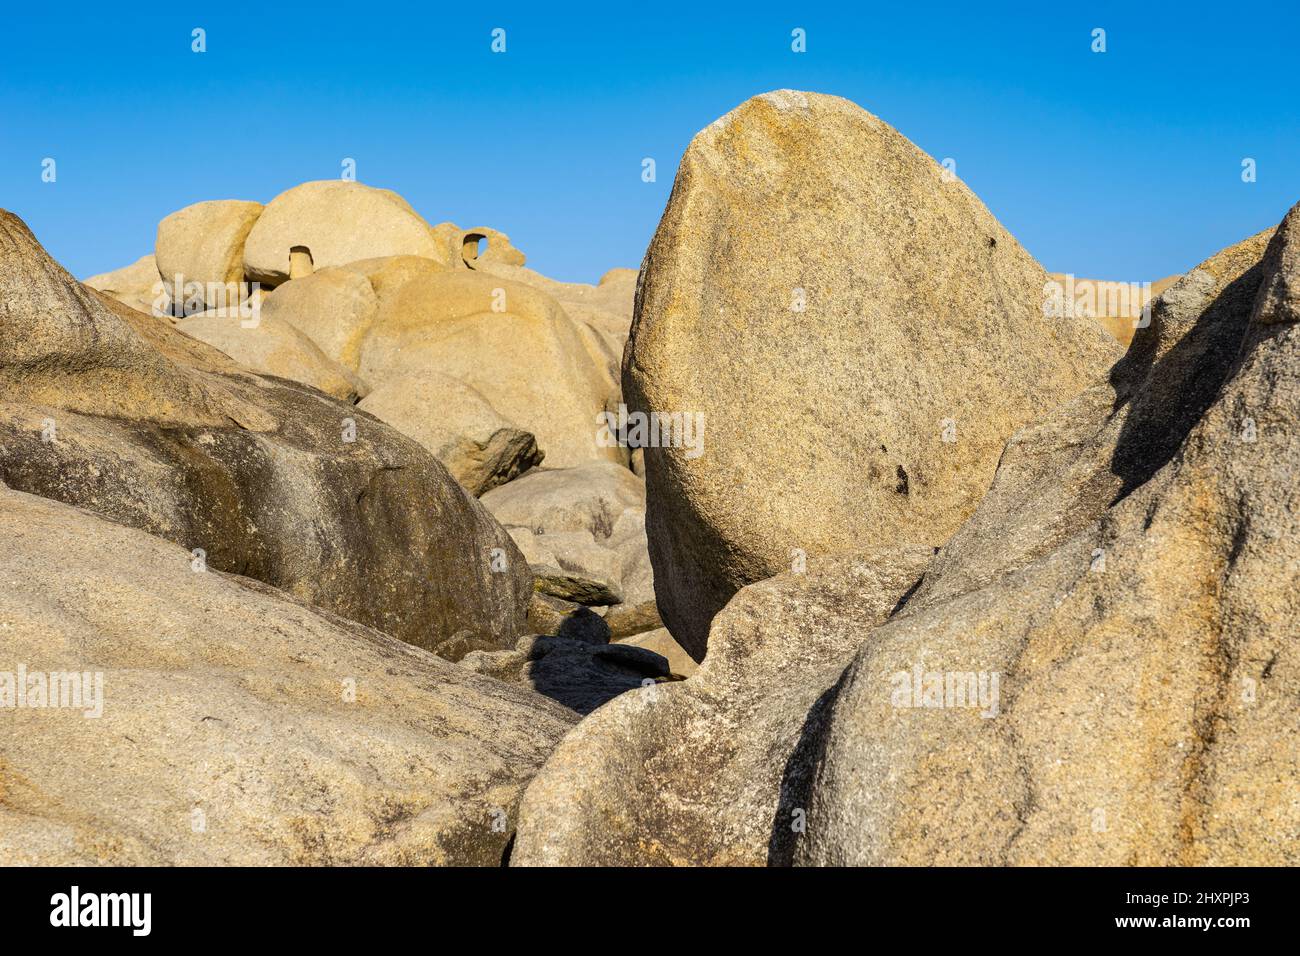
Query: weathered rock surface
(680, 664)
(338, 222)
(711, 770)
(480, 448)
(860, 334)
(103, 407)
(536, 366)
(589, 498)
(571, 565)
(499, 250)
(204, 244)
(1279, 294)
(1141, 626)
(333, 307)
(238, 727)
(270, 346)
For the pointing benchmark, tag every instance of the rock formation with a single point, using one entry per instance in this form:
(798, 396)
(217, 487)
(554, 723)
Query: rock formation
(335, 222)
(236, 726)
(481, 449)
(1140, 627)
(204, 244)
(860, 335)
(371, 568)
(115, 411)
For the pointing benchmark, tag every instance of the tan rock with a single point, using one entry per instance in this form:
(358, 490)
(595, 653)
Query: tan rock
(606, 308)
(238, 727)
(270, 346)
(828, 366)
(591, 498)
(484, 246)
(106, 408)
(337, 222)
(572, 566)
(515, 346)
(335, 308)
(1147, 712)
(204, 244)
(480, 448)
(138, 285)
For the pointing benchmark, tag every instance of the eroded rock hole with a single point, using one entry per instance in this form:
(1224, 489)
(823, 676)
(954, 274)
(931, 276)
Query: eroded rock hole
(473, 247)
(300, 262)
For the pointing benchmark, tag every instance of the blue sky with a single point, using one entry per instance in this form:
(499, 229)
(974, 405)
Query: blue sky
(1120, 165)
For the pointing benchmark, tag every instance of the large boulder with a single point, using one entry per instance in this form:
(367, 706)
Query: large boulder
(333, 307)
(204, 244)
(336, 221)
(481, 449)
(1094, 670)
(1132, 580)
(536, 366)
(859, 334)
(103, 407)
(235, 726)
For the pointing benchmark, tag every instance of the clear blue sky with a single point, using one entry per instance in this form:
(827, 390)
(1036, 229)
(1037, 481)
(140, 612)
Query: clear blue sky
(1122, 165)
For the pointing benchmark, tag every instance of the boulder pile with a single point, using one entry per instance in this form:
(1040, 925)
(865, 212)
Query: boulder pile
(840, 533)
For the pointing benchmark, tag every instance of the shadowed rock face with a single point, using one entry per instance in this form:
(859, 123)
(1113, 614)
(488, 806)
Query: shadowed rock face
(830, 301)
(238, 726)
(713, 769)
(109, 409)
(1131, 579)
(1132, 576)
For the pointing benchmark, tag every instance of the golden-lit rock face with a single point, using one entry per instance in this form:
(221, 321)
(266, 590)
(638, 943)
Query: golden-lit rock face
(337, 222)
(112, 410)
(1096, 668)
(860, 334)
